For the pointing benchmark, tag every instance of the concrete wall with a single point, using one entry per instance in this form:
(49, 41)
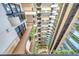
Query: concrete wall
(7, 33)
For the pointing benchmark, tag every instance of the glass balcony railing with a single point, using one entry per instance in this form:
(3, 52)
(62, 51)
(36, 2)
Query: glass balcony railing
(53, 28)
(74, 43)
(76, 33)
(71, 45)
(64, 52)
(66, 46)
(75, 38)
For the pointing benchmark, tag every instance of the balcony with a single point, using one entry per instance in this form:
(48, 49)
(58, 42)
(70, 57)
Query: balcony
(39, 18)
(57, 8)
(38, 4)
(46, 8)
(43, 36)
(54, 13)
(39, 14)
(49, 31)
(50, 28)
(15, 21)
(66, 46)
(44, 31)
(52, 17)
(45, 18)
(44, 25)
(39, 9)
(52, 21)
(71, 45)
(39, 25)
(45, 15)
(45, 11)
(54, 5)
(51, 25)
(64, 52)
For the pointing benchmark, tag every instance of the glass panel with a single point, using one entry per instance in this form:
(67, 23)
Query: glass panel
(70, 44)
(7, 8)
(13, 7)
(18, 8)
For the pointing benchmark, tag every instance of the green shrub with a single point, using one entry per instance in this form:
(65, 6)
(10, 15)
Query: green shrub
(77, 27)
(64, 52)
(32, 33)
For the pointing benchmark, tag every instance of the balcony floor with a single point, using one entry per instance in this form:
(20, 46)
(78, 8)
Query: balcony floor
(20, 49)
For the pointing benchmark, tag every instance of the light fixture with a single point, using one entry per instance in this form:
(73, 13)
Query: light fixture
(38, 11)
(54, 5)
(54, 11)
(46, 11)
(52, 21)
(52, 17)
(30, 13)
(48, 8)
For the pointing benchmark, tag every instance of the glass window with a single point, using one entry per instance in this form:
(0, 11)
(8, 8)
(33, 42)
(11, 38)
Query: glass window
(18, 8)
(7, 8)
(13, 7)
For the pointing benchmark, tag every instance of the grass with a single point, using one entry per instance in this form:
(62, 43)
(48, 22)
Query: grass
(32, 33)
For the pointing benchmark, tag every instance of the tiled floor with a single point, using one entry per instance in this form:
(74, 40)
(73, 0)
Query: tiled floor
(20, 49)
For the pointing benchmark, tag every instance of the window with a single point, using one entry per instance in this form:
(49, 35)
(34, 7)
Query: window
(39, 25)
(39, 9)
(39, 35)
(13, 7)
(18, 31)
(49, 26)
(38, 14)
(38, 18)
(39, 22)
(49, 22)
(7, 8)
(39, 38)
(18, 8)
(38, 4)
(22, 16)
(39, 30)
(39, 42)
(24, 28)
(49, 18)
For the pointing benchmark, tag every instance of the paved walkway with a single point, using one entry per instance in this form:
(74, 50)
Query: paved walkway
(20, 49)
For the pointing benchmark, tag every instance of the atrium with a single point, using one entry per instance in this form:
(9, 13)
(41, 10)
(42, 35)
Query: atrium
(39, 28)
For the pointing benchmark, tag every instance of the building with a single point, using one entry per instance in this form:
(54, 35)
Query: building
(46, 22)
(12, 27)
(39, 28)
(66, 34)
